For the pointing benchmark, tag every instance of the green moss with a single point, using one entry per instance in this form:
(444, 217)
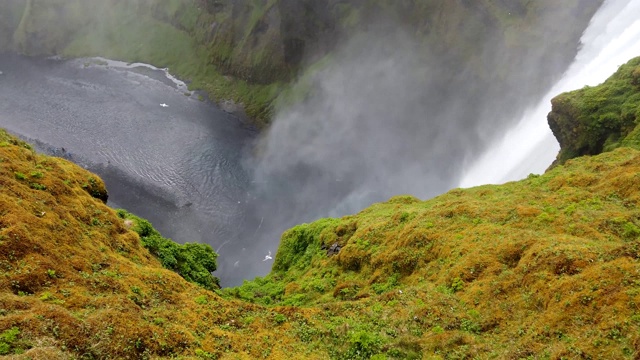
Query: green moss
(475, 265)
(601, 118)
(9, 342)
(194, 262)
(479, 273)
(76, 281)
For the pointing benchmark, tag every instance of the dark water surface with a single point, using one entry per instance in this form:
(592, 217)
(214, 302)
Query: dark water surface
(178, 166)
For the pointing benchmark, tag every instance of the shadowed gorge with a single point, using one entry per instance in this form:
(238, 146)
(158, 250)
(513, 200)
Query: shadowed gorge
(406, 106)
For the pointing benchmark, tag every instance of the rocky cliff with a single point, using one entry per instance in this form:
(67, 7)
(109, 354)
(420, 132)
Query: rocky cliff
(246, 50)
(595, 119)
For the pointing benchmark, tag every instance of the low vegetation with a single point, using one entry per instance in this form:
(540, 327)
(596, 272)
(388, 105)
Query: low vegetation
(80, 280)
(194, 262)
(543, 268)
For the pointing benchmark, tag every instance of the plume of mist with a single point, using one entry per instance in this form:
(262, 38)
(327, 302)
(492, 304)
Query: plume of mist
(370, 129)
(384, 117)
(381, 120)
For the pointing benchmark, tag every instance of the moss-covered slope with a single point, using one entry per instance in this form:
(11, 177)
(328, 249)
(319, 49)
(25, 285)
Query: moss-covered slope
(543, 268)
(76, 281)
(600, 118)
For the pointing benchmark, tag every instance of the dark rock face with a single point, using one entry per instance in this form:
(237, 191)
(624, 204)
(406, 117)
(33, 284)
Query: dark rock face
(264, 42)
(298, 33)
(268, 43)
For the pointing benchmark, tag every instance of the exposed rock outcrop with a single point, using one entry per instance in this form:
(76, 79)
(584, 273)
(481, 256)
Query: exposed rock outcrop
(596, 119)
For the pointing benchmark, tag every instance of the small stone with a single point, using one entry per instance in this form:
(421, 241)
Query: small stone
(333, 249)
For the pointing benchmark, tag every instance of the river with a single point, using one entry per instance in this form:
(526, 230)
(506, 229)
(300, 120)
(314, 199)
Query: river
(179, 165)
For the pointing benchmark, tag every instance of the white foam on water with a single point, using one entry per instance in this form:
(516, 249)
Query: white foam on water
(180, 85)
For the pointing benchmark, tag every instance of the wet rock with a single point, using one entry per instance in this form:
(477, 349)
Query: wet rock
(334, 249)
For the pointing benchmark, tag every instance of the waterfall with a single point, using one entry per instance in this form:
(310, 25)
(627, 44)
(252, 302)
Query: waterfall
(611, 39)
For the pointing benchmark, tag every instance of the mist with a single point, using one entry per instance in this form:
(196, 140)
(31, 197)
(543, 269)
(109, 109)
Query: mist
(400, 103)
(383, 118)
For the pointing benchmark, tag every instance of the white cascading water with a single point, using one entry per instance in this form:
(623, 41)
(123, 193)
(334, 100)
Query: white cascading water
(612, 39)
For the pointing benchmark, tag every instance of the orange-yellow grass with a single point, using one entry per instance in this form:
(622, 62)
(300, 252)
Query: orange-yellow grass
(76, 281)
(546, 267)
(542, 268)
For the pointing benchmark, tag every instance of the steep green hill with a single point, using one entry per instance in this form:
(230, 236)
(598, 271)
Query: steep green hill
(545, 267)
(80, 280)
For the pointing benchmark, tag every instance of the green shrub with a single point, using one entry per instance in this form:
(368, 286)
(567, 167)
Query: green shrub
(36, 175)
(205, 355)
(194, 262)
(201, 300)
(265, 291)
(8, 340)
(37, 186)
(280, 319)
(457, 285)
(363, 345)
(297, 240)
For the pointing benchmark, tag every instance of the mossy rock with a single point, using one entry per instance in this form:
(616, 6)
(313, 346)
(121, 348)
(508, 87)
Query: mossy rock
(595, 119)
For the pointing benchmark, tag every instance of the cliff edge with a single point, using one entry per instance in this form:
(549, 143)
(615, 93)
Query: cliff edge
(596, 119)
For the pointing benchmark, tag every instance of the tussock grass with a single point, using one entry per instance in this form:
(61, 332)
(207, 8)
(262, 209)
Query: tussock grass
(76, 280)
(546, 268)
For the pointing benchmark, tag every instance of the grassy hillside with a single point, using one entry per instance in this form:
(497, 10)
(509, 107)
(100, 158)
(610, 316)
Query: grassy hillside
(600, 118)
(77, 281)
(544, 268)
